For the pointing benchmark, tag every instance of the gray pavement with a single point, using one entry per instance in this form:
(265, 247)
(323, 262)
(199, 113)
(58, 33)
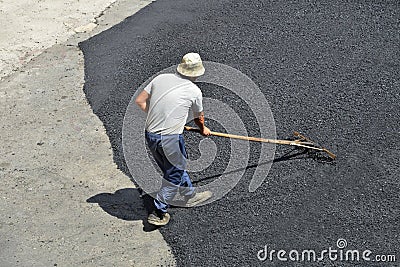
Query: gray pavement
(56, 165)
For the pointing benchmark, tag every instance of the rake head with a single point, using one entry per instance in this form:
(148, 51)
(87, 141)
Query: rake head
(305, 142)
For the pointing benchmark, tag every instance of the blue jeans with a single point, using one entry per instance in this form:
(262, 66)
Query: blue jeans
(170, 154)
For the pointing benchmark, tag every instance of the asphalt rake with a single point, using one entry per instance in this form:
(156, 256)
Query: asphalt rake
(301, 141)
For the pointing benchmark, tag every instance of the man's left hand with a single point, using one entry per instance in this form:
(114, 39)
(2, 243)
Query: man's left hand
(205, 131)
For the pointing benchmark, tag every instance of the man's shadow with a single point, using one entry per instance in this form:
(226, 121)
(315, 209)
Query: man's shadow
(127, 204)
(131, 204)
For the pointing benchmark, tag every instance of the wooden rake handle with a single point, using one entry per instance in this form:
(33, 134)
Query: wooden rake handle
(271, 141)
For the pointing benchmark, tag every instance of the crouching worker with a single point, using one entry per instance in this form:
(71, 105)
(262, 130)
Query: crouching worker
(167, 100)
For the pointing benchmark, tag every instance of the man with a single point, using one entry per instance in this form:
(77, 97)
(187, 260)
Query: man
(167, 100)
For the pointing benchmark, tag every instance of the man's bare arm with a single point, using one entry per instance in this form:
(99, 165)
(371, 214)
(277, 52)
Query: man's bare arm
(142, 99)
(199, 120)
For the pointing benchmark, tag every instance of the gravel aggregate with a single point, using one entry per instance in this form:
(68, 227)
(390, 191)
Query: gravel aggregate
(329, 69)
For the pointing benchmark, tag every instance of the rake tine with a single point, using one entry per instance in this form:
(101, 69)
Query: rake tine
(302, 137)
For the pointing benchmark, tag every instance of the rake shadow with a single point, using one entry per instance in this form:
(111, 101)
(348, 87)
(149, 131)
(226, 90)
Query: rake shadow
(298, 155)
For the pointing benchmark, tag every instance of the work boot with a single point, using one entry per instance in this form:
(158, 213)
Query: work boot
(158, 218)
(198, 198)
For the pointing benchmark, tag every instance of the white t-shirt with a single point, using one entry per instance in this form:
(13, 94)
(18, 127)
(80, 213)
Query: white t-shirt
(171, 97)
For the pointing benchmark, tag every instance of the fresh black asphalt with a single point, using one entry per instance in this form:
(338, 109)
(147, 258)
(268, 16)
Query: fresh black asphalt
(329, 69)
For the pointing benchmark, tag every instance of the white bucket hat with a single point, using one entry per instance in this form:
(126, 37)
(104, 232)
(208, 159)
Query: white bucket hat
(191, 65)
